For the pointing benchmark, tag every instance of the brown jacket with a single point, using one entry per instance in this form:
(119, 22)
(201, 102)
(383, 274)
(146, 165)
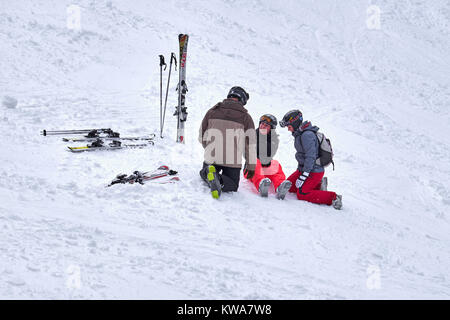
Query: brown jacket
(227, 133)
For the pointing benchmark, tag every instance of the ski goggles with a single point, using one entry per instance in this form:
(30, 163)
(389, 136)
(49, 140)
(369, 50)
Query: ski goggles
(269, 119)
(266, 119)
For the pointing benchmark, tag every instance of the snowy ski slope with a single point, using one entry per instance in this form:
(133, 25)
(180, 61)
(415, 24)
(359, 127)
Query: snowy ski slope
(381, 94)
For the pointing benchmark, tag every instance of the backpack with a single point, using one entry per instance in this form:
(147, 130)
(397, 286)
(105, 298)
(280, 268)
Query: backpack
(325, 150)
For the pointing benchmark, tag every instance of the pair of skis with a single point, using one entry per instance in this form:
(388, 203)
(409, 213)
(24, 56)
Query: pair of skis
(101, 139)
(142, 177)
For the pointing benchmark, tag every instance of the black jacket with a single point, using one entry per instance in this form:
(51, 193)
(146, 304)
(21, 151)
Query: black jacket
(266, 146)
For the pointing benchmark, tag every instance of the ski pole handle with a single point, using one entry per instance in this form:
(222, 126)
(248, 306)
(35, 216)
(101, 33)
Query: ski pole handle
(174, 58)
(162, 62)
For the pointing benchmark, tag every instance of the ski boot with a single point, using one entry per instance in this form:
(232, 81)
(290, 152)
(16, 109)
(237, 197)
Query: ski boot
(264, 186)
(337, 203)
(214, 182)
(324, 184)
(283, 189)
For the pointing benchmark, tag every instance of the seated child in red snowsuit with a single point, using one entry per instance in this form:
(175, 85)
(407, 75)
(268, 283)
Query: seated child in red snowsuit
(268, 171)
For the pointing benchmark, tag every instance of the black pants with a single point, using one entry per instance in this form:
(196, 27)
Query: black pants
(229, 177)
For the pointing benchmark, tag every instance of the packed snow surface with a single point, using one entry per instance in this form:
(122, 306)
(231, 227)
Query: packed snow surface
(373, 75)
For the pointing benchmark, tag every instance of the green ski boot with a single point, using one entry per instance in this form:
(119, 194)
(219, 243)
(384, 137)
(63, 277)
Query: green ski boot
(214, 183)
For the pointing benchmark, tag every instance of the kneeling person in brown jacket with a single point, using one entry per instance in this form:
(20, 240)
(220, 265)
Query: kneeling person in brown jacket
(227, 133)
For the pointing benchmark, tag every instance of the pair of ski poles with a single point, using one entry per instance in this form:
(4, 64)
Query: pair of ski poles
(162, 63)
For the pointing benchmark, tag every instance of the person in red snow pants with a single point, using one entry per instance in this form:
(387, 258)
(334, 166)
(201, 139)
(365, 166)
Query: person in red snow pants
(274, 172)
(268, 171)
(307, 179)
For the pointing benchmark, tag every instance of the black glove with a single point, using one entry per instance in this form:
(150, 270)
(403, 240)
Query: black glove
(248, 173)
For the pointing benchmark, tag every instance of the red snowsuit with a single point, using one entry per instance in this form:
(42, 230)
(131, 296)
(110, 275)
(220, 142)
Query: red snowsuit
(310, 190)
(274, 172)
(266, 147)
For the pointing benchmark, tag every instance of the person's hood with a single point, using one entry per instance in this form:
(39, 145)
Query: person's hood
(305, 126)
(230, 106)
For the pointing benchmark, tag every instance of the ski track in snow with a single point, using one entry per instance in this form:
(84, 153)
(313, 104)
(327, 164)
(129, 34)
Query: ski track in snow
(382, 96)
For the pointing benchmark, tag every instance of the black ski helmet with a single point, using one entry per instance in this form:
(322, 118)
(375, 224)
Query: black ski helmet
(269, 119)
(293, 118)
(239, 93)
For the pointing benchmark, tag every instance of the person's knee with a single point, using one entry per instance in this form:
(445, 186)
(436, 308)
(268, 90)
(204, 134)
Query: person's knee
(230, 183)
(302, 195)
(230, 187)
(234, 185)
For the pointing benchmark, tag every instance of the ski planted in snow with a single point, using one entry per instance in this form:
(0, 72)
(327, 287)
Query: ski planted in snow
(144, 138)
(100, 144)
(181, 110)
(141, 177)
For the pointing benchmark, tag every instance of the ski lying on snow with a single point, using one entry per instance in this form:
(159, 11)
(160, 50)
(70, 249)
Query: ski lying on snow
(141, 177)
(77, 131)
(109, 147)
(145, 138)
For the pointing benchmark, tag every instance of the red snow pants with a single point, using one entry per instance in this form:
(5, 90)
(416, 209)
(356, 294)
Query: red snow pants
(310, 190)
(274, 172)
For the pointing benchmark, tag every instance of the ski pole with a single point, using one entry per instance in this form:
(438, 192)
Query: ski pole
(172, 58)
(161, 64)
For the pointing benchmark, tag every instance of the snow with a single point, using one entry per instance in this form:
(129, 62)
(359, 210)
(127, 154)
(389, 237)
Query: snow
(9, 102)
(381, 94)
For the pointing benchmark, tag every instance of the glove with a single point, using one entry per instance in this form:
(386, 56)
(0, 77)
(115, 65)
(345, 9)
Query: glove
(248, 173)
(301, 180)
